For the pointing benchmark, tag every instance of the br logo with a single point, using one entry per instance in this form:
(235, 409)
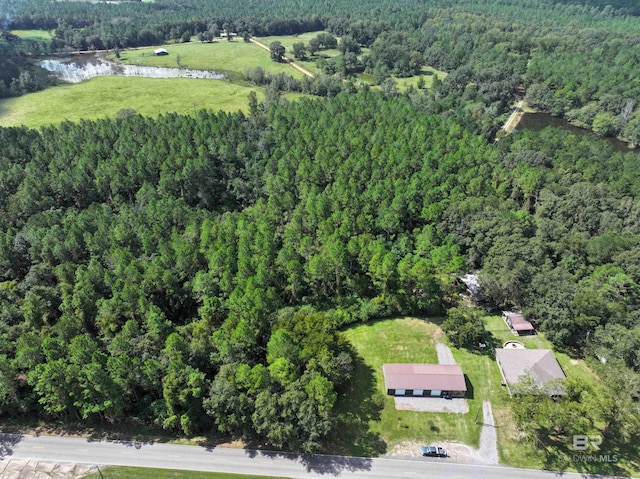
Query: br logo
(582, 442)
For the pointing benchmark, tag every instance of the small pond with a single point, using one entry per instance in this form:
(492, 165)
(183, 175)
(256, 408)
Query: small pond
(84, 67)
(538, 121)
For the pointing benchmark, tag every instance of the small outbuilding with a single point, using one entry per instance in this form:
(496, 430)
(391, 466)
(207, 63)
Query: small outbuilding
(540, 364)
(424, 380)
(160, 52)
(517, 323)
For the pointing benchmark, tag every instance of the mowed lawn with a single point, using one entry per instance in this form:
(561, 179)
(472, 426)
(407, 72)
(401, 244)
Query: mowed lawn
(221, 55)
(103, 96)
(36, 35)
(427, 73)
(148, 473)
(413, 340)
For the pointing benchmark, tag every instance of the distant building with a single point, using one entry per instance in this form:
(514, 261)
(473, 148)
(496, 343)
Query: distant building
(424, 380)
(541, 364)
(516, 322)
(160, 52)
(230, 34)
(10, 37)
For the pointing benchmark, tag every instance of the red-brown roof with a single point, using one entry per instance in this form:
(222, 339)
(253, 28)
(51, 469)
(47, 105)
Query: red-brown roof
(443, 377)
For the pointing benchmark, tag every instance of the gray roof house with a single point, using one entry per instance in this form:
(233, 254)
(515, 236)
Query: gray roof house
(427, 380)
(541, 364)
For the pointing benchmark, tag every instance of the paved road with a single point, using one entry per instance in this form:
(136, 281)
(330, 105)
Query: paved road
(87, 451)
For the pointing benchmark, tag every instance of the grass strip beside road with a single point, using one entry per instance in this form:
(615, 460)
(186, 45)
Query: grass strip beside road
(118, 472)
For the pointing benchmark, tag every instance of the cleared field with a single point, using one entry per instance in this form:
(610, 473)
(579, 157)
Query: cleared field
(428, 73)
(104, 96)
(143, 473)
(37, 35)
(288, 40)
(222, 56)
(413, 340)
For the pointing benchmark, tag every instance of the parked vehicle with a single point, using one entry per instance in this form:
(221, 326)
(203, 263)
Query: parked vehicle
(433, 451)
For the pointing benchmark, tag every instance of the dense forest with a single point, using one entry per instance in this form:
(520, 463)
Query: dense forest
(580, 62)
(194, 271)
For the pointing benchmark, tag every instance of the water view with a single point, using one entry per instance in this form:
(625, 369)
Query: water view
(84, 67)
(538, 121)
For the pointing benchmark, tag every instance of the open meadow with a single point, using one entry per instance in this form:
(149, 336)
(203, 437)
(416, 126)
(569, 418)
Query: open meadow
(103, 96)
(221, 56)
(34, 35)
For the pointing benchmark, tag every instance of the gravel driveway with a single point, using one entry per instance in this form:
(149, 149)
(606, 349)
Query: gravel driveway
(488, 439)
(445, 356)
(427, 404)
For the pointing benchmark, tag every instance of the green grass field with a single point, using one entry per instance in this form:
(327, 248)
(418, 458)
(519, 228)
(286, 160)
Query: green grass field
(221, 55)
(428, 73)
(104, 96)
(144, 473)
(37, 35)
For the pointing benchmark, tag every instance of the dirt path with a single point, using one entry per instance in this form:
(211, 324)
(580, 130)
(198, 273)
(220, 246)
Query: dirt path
(514, 118)
(290, 62)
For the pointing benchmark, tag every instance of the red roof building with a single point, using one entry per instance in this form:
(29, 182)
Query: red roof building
(517, 323)
(430, 380)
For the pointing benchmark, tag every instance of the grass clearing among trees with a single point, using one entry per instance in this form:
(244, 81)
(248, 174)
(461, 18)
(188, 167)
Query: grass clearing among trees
(221, 56)
(104, 96)
(35, 35)
(413, 340)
